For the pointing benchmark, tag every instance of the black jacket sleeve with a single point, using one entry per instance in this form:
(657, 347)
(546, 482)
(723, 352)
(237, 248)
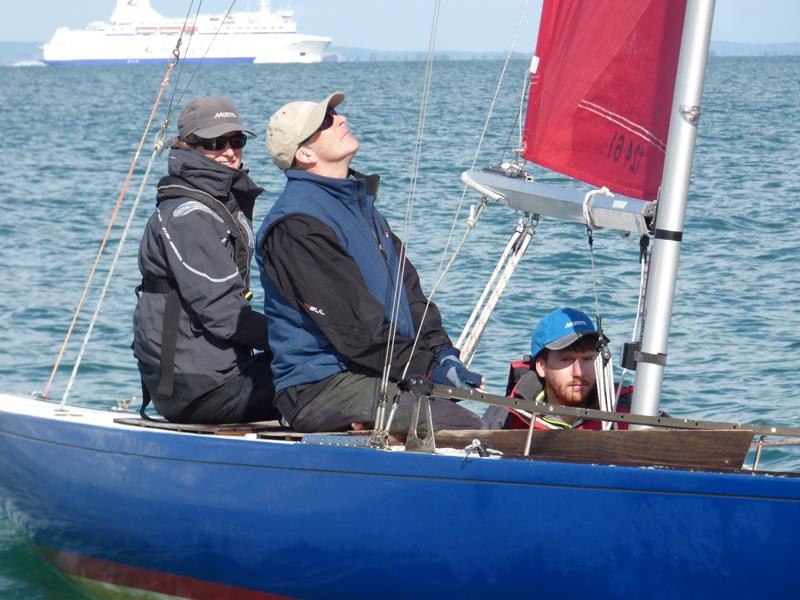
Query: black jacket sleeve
(310, 268)
(252, 331)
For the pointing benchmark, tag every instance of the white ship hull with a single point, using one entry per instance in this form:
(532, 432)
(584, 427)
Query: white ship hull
(137, 34)
(89, 47)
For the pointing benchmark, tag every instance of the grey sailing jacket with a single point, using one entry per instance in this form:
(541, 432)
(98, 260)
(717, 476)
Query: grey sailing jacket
(186, 242)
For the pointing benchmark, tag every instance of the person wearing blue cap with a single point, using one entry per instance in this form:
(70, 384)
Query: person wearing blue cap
(559, 370)
(563, 350)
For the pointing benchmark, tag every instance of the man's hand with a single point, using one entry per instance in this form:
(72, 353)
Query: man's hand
(449, 370)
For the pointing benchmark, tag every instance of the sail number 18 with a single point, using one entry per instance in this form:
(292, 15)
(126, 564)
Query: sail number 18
(625, 151)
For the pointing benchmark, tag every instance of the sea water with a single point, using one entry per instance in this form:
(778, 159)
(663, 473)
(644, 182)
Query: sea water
(69, 135)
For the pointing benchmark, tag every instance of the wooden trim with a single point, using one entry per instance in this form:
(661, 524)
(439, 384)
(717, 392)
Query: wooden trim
(723, 450)
(716, 450)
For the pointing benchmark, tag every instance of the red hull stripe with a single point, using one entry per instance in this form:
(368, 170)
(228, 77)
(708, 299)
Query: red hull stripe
(153, 581)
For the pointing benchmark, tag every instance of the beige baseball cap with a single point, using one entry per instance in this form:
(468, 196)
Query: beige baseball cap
(294, 123)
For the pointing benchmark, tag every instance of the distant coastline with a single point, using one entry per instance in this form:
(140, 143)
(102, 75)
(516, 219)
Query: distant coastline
(717, 49)
(722, 48)
(20, 52)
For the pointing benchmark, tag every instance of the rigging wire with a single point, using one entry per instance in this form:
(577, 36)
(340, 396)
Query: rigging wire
(410, 200)
(158, 146)
(111, 269)
(382, 425)
(590, 226)
(442, 272)
(644, 242)
(114, 213)
(186, 52)
(506, 266)
(603, 366)
(123, 191)
(526, 84)
(517, 118)
(510, 133)
(208, 48)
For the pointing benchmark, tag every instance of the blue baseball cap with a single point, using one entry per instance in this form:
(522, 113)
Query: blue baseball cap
(559, 329)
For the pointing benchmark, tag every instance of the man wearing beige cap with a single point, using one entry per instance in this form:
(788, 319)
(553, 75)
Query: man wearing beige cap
(329, 263)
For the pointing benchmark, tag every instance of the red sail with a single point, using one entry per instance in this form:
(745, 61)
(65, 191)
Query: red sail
(599, 102)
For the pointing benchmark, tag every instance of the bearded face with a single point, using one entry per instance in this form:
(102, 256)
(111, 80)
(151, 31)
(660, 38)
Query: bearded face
(568, 375)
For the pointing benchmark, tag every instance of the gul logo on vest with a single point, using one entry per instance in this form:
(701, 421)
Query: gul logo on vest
(225, 115)
(314, 309)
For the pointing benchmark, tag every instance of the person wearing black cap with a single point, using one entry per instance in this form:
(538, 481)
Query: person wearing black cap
(330, 266)
(195, 331)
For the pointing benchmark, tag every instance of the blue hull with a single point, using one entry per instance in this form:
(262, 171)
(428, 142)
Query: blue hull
(206, 516)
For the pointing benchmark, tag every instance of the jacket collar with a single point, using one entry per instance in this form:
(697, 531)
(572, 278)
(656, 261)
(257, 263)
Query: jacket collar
(215, 179)
(342, 188)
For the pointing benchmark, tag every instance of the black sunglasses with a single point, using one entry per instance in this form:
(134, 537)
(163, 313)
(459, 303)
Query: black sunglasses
(328, 120)
(236, 141)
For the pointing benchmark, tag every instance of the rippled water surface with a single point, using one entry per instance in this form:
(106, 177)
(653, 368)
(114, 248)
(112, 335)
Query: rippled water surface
(70, 135)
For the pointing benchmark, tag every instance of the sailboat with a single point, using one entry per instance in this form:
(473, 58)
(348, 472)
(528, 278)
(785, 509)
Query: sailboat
(137, 508)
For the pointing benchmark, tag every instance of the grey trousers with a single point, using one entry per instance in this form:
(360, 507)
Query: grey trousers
(349, 398)
(247, 397)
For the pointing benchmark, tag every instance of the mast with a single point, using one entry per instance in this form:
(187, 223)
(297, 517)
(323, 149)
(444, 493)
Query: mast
(672, 206)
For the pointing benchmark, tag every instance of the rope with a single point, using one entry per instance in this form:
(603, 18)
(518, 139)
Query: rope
(490, 284)
(208, 48)
(188, 44)
(441, 273)
(110, 274)
(123, 191)
(526, 83)
(158, 146)
(603, 367)
(517, 120)
(379, 435)
(506, 266)
(644, 241)
(112, 219)
(410, 200)
(587, 215)
(782, 443)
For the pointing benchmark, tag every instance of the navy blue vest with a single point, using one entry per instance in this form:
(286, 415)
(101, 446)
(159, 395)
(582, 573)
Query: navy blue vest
(302, 353)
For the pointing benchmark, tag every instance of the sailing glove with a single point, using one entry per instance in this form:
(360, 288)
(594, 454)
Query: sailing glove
(449, 370)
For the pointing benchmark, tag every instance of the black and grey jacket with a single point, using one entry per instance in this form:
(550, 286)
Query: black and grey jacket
(188, 246)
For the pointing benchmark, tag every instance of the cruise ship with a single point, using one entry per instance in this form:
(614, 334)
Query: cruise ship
(136, 33)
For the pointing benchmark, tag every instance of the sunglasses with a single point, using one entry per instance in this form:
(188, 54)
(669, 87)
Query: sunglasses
(236, 141)
(328, 120)
(326, 123)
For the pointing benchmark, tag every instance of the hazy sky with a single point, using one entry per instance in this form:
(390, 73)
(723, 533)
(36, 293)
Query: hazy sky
(400, 24)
